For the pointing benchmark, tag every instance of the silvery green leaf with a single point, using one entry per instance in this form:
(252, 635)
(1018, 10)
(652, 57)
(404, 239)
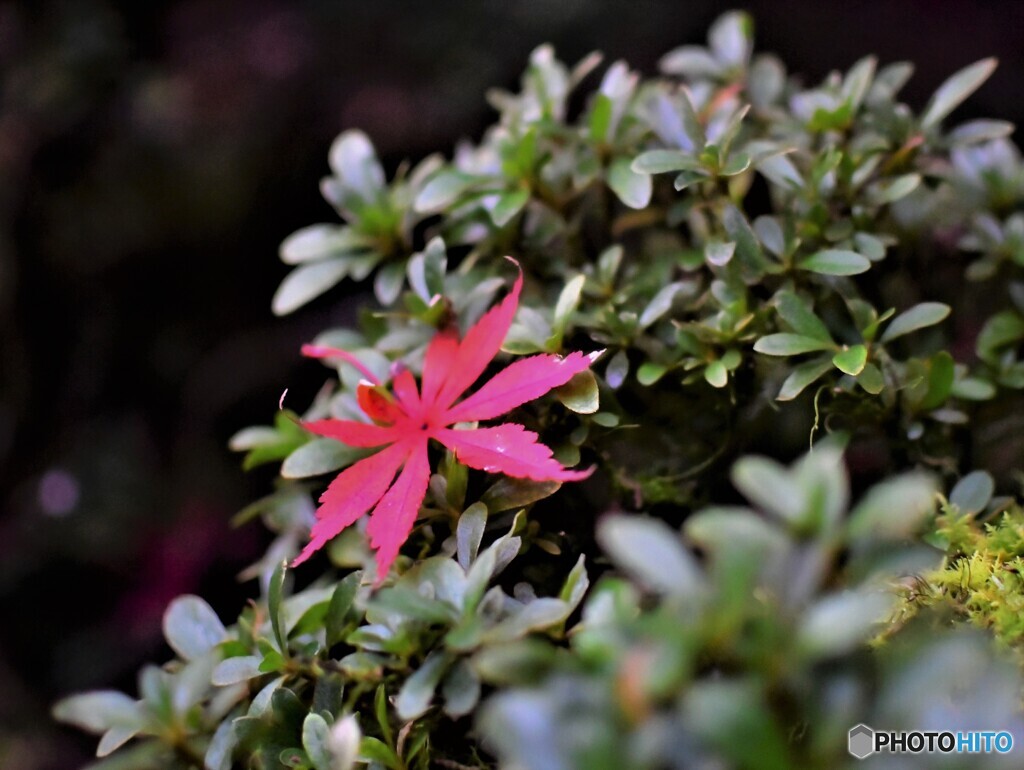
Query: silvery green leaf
(319, 456)
(770, 486)
(460, 690)
(469, 532)
(99, 711)
(661, 302)
(957, 88)
(650, 551)
(535, 616)
(387, 285)
(840, 622)
(316, 741)
(353, 159)
(617, 370)
(918, 317)
(835, 262)
(801, 317)
(115, 738)
(972, 493)
(417, 692)
(803, 375)
(783, 344)
(222, 746)
(893, 509)
(731, 38)
(237, 669)
(633, 189)
(192, 628)
(307, 282)
(321, 241)
(718, 253)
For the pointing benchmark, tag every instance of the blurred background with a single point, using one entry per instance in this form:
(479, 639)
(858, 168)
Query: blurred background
(152, 157)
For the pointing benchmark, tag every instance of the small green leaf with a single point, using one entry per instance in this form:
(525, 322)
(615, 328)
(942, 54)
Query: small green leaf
(871, 379)
(941, 374)
(508, 205)
(748, 248)
(784, 344)
(661, 303)
(716, 374)
(918, 317)
(650, 372)
(800, 317)
(341, 601)
(852, 360)
(275, 596)
(600, 118)
(1002, 329)
(568, 301)
(836, 262)
(803, 375)
(633, 189)
(718, 253)
(736, 164)
(957, 88)
(508, 493)
(972, 493)
(662, 161)
(374, 750)
(580, 394)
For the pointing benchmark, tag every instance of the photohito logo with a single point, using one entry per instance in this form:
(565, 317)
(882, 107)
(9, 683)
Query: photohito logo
(863, 741)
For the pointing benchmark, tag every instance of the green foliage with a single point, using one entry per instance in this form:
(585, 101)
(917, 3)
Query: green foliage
(755, 264)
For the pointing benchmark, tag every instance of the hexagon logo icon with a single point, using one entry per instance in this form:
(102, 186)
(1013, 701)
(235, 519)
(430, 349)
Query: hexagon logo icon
(861, 741)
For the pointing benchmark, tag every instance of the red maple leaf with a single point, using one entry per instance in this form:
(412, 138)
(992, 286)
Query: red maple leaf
(403, 426)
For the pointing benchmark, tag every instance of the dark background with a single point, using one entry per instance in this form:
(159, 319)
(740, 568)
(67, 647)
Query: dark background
(152, 156)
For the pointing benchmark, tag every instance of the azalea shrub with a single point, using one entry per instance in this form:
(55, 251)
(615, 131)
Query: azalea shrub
(669, 435)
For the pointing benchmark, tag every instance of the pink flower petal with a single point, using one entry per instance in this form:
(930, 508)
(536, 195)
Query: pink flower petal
(393, 518)
(353, 433)
(352, 493)
(519, 382)
(508, 448)
(482, 343)
(322, 351)
(408, 397)
(437, 364)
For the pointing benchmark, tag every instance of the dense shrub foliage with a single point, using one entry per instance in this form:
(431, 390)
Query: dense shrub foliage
(772, 271)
